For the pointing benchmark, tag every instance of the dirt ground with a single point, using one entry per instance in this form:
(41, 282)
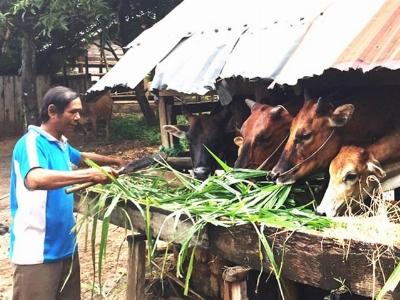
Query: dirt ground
(114, 271)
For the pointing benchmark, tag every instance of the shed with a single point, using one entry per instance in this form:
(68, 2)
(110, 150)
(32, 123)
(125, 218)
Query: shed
(282, 41)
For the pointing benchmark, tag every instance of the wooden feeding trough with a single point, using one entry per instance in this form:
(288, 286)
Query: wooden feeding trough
(314, 258)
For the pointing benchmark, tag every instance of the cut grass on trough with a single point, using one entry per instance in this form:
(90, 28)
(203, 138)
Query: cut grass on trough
(224, 200)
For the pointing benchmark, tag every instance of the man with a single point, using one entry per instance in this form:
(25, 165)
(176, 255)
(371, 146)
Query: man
(43, 246)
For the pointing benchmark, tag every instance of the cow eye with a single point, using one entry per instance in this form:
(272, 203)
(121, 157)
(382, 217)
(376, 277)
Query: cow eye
(262, 140)
(350, 177)
(306, 136)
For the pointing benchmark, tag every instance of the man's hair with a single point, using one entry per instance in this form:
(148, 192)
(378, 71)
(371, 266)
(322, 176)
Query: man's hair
(60, 97)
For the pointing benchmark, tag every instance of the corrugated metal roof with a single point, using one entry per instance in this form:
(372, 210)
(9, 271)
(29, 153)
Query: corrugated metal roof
(284, 41)
(378, 44)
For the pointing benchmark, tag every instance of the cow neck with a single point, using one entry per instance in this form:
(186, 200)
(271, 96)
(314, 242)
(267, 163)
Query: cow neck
(272, 154)
(311, 156)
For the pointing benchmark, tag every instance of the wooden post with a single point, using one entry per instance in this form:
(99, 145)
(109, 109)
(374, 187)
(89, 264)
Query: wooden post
(235, 285)
(290, 289)
(136, 266)
(171, 119)
(86, 65)
(163, 111)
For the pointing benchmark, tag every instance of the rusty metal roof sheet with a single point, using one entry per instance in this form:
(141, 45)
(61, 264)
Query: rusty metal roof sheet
(283, 41)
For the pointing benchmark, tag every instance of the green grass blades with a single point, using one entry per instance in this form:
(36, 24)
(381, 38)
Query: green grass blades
(391, 283)
(231, 198)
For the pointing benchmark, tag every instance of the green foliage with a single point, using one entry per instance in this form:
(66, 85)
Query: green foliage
(135, 127)
(63, 29)
(180, 149)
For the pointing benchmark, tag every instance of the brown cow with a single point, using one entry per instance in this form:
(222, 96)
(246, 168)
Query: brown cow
(319, 130)
(350, 173)
(99, 109)
(262, 135)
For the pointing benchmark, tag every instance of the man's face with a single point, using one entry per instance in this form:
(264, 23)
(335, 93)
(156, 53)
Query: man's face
(70, 117)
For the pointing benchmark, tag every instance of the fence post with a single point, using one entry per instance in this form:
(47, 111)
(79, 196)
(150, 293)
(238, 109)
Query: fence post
(136, 266)
(235, 285)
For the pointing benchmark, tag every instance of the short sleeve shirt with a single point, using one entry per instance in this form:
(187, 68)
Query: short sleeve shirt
(42, 220)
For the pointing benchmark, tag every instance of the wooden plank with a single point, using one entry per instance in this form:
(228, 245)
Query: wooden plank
(162, 114)
(309, 258)
(9, 99)
(136, 267)
(2, 101)
(171, 119)
(235, 287)
(42, 86)
(19, 107)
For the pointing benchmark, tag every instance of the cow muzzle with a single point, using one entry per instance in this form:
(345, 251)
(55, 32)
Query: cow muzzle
(201, 173)
(282, 177)
(330, 206)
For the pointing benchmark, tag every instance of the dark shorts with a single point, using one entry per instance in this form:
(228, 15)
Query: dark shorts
(45, 281)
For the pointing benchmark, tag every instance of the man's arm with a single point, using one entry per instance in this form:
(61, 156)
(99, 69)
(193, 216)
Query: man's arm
(44, 179)
(102, 159)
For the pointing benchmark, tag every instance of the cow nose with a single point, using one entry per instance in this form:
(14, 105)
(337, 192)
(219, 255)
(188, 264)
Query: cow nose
(201, 172)
(319, 213)
(273, 175)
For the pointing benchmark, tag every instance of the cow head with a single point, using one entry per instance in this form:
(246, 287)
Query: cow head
(209, 131)
(349, 180)
(314, 139)
(261, 134)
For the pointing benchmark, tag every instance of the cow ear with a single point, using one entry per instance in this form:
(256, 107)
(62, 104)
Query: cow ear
(375, 167)
(341, 115)
(250, 103)
(277, 111)
(238, 140)
(175, 131)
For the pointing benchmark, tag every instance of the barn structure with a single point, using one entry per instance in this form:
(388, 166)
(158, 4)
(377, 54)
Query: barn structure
(311, 43)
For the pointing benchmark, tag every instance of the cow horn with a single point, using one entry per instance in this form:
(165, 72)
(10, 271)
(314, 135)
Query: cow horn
(276, 111)
(322, 107)
(250, 103)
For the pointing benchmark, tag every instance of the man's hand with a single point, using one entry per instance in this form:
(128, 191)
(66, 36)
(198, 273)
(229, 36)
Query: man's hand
(103, 160)
(98, 176)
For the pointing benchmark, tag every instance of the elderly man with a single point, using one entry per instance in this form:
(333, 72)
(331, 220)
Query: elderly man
(43, 245)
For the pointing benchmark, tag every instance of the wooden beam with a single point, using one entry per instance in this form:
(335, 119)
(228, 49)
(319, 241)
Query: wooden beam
(180, 163)
(194, 107)
(136, 267)
(164, 93)
(158, 221)
(312, 259)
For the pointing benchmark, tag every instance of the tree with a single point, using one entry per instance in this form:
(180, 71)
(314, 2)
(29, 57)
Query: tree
(43, 35)
(44, 25)
(133, 17)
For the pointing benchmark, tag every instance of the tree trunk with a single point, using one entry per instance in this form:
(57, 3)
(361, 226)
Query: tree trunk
(148, 113)
(28, 74)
